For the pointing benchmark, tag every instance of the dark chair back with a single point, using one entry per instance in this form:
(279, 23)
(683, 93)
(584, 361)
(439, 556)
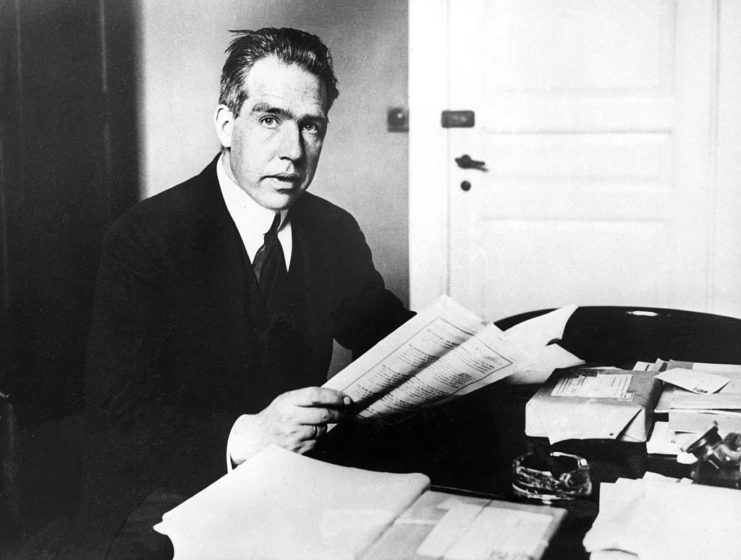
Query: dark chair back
(618, 336)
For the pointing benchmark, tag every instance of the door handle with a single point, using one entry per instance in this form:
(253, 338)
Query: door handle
(466, 162)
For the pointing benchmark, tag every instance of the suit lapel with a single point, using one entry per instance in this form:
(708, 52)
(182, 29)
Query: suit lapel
(223, 275)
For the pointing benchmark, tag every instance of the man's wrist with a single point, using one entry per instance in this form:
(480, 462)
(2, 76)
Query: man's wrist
(245, 440)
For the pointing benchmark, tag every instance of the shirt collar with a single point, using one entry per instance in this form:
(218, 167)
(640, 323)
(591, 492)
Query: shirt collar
(257, 219)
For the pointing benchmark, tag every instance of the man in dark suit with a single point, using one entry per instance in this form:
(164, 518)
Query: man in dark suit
(218, 300)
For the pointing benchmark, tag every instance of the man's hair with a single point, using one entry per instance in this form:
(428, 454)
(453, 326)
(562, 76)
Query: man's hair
(291, 46)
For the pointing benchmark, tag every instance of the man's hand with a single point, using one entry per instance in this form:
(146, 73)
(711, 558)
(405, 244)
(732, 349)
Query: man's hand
(294, 420)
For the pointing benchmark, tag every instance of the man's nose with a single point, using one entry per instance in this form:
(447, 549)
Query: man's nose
(292, 144)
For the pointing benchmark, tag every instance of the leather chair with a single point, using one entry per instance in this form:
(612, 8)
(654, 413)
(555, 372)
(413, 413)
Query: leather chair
(616, 336)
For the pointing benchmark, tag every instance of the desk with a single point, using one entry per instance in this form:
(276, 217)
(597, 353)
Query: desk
(470, 443)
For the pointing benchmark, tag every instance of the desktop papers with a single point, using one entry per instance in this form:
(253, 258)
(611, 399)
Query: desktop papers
(732, 372)
(593, 403)
(693, 380)
(665, 441)
(691, 411)
(658, 520)
(446, 526)
(445, 352)
(472, 531)
(280, 505)
(534, 338)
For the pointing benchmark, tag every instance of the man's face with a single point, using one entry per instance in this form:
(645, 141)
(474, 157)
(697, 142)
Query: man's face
(275, 143)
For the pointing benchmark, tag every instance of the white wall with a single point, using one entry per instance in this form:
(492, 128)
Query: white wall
(726, 284)
(363, 167)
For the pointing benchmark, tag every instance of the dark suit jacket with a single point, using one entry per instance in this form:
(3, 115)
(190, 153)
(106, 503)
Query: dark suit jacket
(181, 342)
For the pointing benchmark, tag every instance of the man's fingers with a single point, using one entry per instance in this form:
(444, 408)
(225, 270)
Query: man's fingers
(315, 415)
(320, 396)
(297, 419)
(313, 431)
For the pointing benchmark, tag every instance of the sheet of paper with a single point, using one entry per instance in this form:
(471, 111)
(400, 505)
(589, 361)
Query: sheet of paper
(720, 369)
(612, 555)
(656, 477)
(593, 403)
(456, 515)
(715, 401)
(282, 505)
(662, 521)
(664, 441)
(731, 371)
(658, 365)
(581, 422)
(449, 529)
(613, 386)
(693, 380)
(664, 403)
(671, 393)
(442, 352)
(552, 357)
(709, 411)
(472, 532)
(533, 335)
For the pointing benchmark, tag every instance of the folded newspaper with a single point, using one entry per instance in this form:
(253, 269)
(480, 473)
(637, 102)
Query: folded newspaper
(447, 351)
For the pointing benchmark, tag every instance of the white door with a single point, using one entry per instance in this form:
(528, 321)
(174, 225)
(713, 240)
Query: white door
(594, 120)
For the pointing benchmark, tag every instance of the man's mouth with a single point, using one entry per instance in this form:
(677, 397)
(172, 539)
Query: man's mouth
(287, 179)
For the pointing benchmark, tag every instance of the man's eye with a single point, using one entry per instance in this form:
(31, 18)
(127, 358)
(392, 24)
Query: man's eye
(270, 122)
(312, 128)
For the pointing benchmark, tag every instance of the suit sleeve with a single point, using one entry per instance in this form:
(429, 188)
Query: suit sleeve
(365, 311)
(131, 397)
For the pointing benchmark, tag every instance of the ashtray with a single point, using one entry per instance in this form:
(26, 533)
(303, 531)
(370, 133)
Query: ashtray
(551, 478)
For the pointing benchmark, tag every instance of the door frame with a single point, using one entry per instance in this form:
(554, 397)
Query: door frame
(429, 196)
(429, 207)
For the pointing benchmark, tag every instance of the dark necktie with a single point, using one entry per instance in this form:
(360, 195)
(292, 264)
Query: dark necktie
(270, 264)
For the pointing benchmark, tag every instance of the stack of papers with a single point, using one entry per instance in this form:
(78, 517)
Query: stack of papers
(281, 505)
(693, 397)
(593, 403)
(450, 527)
(445, 352)
(657, 520)
(664, 441)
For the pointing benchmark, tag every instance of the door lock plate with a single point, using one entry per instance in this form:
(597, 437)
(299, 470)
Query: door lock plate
(458, 119)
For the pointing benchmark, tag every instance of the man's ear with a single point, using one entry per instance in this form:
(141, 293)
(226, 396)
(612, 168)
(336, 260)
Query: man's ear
(224, 122)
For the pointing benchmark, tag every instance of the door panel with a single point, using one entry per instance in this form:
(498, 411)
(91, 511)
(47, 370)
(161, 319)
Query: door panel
(593, 118)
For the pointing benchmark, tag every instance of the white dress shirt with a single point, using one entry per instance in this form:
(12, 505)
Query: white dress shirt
(252, 221)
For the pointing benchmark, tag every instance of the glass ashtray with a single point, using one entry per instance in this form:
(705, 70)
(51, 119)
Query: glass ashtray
(551, 478)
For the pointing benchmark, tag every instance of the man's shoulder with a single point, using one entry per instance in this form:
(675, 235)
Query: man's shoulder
(316, 211)
(176, 209)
